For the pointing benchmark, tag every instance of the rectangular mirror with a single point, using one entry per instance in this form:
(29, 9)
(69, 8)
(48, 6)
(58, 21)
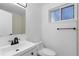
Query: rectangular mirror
(12, 19)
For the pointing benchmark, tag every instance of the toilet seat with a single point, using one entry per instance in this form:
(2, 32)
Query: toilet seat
(47, 52)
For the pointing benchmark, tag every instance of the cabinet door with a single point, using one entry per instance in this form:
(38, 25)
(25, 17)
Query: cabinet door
(32, 52)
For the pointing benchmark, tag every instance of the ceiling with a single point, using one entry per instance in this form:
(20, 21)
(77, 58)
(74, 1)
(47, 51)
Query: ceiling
(13, 8)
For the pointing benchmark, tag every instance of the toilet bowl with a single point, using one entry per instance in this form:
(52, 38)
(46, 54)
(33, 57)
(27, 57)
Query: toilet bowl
(46, 52)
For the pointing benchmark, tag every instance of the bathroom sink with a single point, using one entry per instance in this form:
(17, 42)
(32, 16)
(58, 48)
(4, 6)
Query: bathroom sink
(9, 49)
(14, 49)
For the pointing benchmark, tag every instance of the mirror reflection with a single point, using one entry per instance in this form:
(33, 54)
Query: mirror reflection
(12, 19)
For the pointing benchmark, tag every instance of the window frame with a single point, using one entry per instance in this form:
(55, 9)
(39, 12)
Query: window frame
(53, 11)
(64, 6)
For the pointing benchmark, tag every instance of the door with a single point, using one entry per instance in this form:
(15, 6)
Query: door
(78, 29)
(65, 29)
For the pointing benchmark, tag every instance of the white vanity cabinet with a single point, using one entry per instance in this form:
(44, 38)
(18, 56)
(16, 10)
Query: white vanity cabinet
(29, 52)
(33, 51)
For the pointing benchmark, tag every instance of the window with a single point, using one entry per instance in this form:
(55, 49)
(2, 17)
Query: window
(62, 13)
(67, 12)
(55, 15)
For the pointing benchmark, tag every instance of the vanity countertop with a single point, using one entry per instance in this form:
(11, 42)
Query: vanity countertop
(9, 50)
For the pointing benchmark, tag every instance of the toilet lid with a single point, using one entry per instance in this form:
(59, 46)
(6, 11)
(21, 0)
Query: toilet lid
(47, 52)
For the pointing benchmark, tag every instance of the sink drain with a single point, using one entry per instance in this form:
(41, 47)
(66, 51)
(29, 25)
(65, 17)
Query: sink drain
(17, 49)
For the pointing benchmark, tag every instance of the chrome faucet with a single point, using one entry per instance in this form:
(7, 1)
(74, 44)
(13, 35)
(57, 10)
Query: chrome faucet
(15, 41)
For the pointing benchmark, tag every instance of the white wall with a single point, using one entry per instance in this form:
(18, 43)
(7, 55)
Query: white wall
(5, 26)
(33, 22)
(5, 23)
(63, 42)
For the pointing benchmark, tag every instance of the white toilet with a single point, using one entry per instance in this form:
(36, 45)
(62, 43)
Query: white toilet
(46, 52)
